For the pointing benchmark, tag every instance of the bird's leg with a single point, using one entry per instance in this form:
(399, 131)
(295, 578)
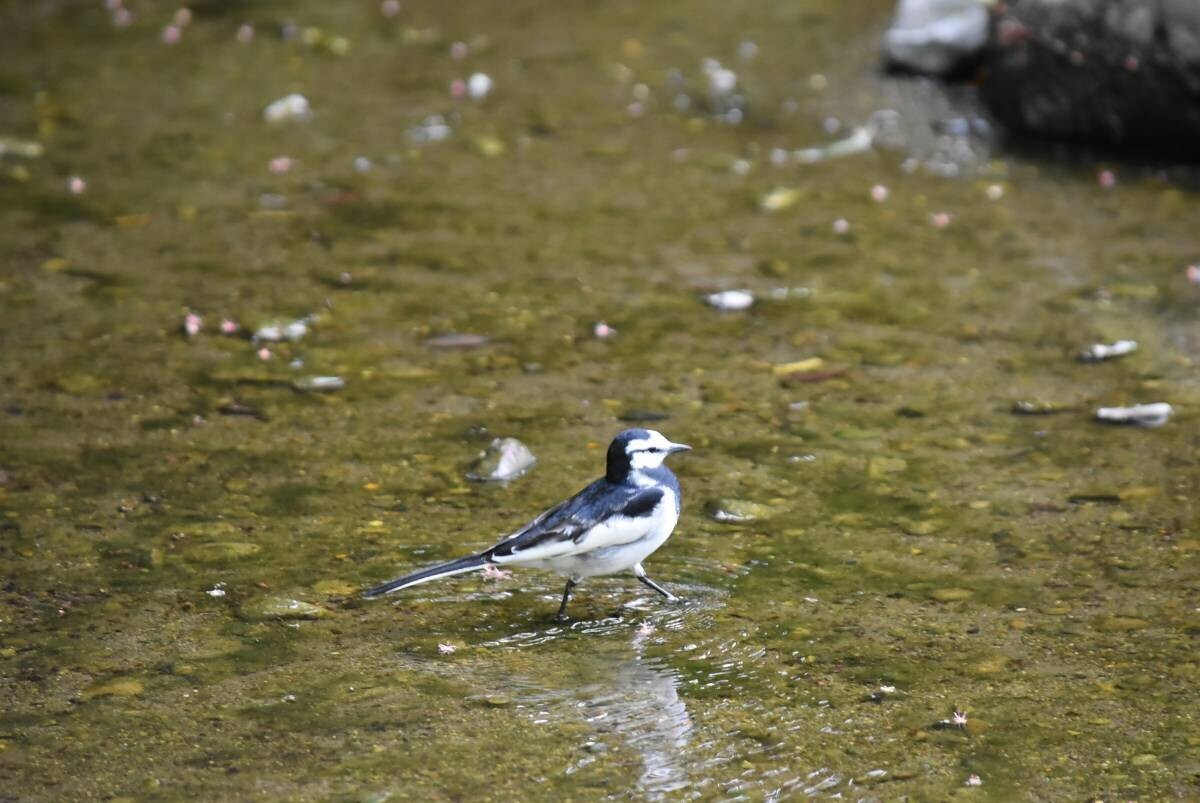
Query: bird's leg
(640, 573)
(561, 616)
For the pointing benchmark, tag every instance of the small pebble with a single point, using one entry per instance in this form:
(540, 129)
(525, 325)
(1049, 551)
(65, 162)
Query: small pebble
(290, 107)
(121, 687)
(459, 51)
(277, 332)
(504, 459)
(841, 226)
(171, 34)
(431, 129)
(730, 300)
(879, 193)
(721, 81)
(457, 340)
(77, 186)
(602, 330)
(362, 164)
(974, 780)
(736, 511)
(479, 86)
(446, 649)
(245, 33)
(1142, 415)
(1099, 351)
(319, 383)
(994, 192)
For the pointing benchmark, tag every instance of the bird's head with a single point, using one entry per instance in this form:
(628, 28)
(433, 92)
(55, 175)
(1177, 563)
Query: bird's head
(639, 450)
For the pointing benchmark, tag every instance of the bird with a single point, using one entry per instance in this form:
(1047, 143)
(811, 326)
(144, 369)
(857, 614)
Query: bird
(610, 526)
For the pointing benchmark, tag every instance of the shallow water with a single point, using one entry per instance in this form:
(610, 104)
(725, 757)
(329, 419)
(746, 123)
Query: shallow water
(1038, 573)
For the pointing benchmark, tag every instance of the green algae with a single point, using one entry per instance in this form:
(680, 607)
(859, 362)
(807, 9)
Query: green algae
(1037, 572)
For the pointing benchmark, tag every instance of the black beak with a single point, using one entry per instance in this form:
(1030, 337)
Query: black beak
(678, 447)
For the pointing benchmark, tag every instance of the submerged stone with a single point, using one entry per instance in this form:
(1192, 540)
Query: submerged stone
(921, 527)
(497, 701)
(335, 588)
(639, 416)
(735, 511)
(1039, 407)
(504, 459)
(224, 550)
(319, 383)
(487, 146)
(263, 608)
(457, 340)
(882, 466)
(1121, 624)
(120, 687)
(950, 594)
(779, 199)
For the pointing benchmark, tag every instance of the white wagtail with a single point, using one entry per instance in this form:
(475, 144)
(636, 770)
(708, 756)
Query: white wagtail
(608, 527)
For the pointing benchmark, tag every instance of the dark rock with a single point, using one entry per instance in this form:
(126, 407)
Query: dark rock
(638, 416)
(1122, 73)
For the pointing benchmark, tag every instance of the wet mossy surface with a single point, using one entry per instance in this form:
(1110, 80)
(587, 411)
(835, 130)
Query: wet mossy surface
(184, 532)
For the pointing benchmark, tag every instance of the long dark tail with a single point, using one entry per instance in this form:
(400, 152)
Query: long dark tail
(460, 566)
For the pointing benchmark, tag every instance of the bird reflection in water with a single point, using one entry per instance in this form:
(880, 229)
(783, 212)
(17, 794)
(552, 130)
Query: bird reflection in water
(641, 706)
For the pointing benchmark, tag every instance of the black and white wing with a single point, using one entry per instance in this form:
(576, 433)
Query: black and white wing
(599, 516)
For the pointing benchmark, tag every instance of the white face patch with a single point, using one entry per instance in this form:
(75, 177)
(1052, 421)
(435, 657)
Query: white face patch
(649, 452)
